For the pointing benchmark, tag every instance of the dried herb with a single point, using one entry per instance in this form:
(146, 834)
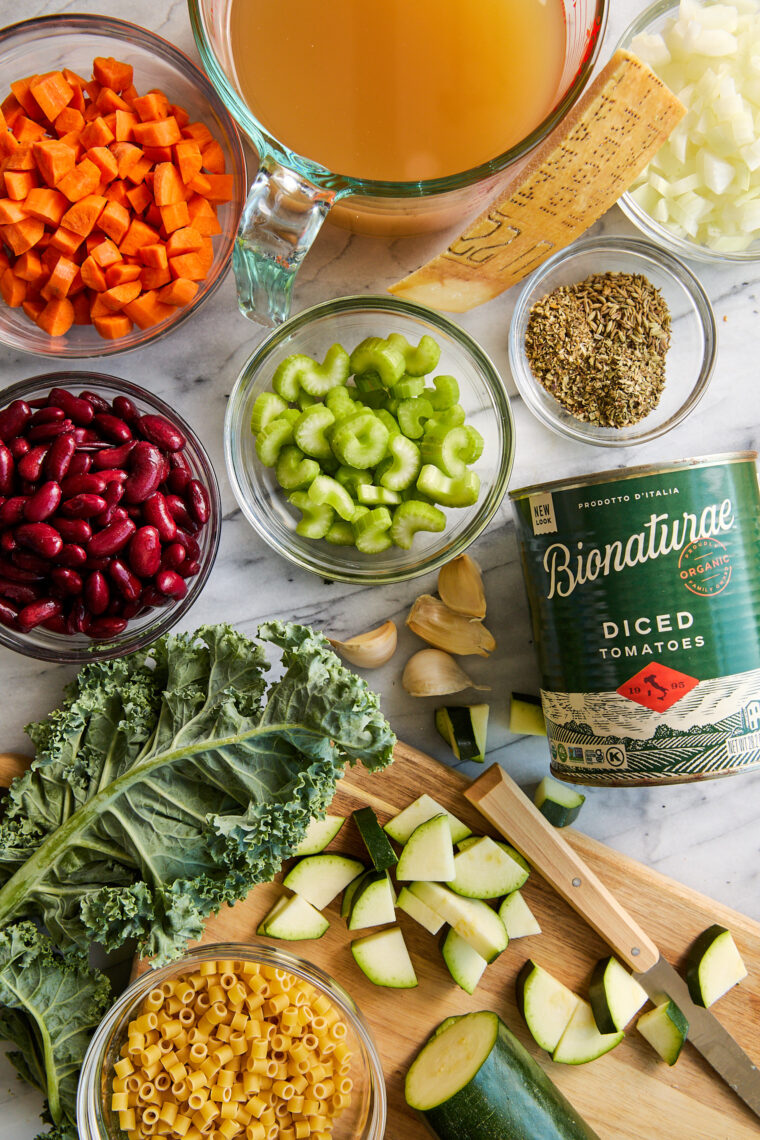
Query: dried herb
(599, 347)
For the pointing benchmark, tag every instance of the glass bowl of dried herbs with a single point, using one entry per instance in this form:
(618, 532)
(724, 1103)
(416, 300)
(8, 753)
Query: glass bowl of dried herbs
(612, 342)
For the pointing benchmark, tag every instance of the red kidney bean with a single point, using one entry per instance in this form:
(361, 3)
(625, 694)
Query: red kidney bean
(59, 457)
(96, 593)
(76, 617)
(12, 510)
(21, 592)
(47, 415)
(7, 541)
(19, 446)
(43, 503)
(115, 606)
(40, 537)
(83, 506)
(146, 466)
(98, 403)
(180, 513)
(112, 494)
(170, 583)
(56, 624)
(25, 560)
(82, 484)
(156, 513)
(124, 407)
(16, 573)
(173, 556)
(111, 539)
(43, 433)
(97, 564)
(144, 554)
(79, 410)
(113, 515)
(113, 475)
(159, 431)
(113, 456)
(177, 480)
(66, 580)
(85, 437)
(80, 463)
(26, 487)
(7, 470)
(129, 585)
(189, 542)
(37, 402)
(197, 501)
(37, 612)
(8, 612)
(72, 530)
(132, 609)
(189, 569)
(30, 465)
(105, 628)
(71, 555)
(112, 427)
(13, 419)
(179, 461)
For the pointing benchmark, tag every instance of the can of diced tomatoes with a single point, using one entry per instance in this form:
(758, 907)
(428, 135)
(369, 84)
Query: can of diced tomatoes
(644, 591)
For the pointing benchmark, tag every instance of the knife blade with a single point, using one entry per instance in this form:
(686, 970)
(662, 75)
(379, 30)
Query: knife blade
(510, 811)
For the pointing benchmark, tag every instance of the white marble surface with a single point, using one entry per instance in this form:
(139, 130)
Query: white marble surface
(705, 836)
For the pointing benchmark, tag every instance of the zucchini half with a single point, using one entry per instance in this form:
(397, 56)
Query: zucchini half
(473, 1080)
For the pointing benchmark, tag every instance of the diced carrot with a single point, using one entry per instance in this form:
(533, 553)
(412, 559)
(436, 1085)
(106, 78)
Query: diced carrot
(137, 171)
(81, 303)
(68, 120)
(105, 253)
(73, 140)
(20, 88)
(114, 221)
(65, 241)
(18, 183)
(138, 234)
(154, 256)
(77, 284)
(199, 184)
(220, 187)
(168, 188)
(12, 212)
(97, 307)
(117, 192)
(114, 326)
(49, 205)
(61, 279)
(158, 132)
(146, 310)
(83, 215)
(129, 94)
(203, 216)
(121, 295)
(29, 267)
(175, 217)
(158, 154)
(52, 93)
(8, 144)
(97, 133)
(54, 160)
(21, 236)
(206, 253)
(105, 162)
(57, 317)
(12, 289)
(110, 72)
(213, 158)
(187, 265)
(153, 216)
(125, 122)
(21, 159)
(140, 197)
(108, 100)
(92, 87)
(199, 132)
(154, 278)
(186, 240)
(33, 308)
(76, 83)
(93, 275)
(180, 114)
(4, 261)
(84, 179)
(152, 106)
(26, 130)
(9, 107)
(126, 155)
(120, 273)
(179, 292)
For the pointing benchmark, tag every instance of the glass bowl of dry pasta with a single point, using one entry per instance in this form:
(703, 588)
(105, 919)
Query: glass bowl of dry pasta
(233, 1042)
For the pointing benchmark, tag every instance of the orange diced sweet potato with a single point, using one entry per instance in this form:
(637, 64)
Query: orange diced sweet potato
(20, 88)
(140, 198)
(158, 132)
(92, 275)
(68, 121)
(220, 187)
(81, 303)
(154, 278)
(108, 100)
(125, 122)
(154, 256)
(120, 295)
(18, 183)
(203, 216)
(138, 235)
(26, 130)
(189, 159)
(33, 307)
(12, 211)
(120, 273)
(65, 241)
(105, 253)
(199, 132)
(29, 267)
(83, 215)
(186, 240)
(213, 158)
(49, 205)
(168, 187)
(61, 279)
(188, 265)
(152, 106)
(97, 133)
(117, 192)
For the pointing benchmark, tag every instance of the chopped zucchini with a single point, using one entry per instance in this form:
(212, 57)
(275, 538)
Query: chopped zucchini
(546, 1005)
(582, 1042)
(484, 870)
(350, 891)
(464, 964)
(319, 878)
(616, 997)
(293, 919)
(375, 840)
(526, 717)
(511, 851)
(473, 920)
(428, 853)
(666, 1030)
(402, 825)
(419, 911)
(519, 920)
(713, 966)
(557, 801)
(385, 960)
(465, 729)
(319, 833)
(374, 903)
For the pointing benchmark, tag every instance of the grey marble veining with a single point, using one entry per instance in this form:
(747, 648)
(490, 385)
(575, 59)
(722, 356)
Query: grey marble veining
(703, 835)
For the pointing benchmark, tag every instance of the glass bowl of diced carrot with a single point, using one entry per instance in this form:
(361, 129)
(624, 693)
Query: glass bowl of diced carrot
(253, 1042)
(122, 178)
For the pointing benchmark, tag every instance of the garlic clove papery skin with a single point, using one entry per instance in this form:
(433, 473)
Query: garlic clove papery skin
(460, 585)
(369, 650)
(433, 673)
(440, 626)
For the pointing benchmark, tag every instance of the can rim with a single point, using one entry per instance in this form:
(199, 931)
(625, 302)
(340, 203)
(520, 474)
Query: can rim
(621, 474)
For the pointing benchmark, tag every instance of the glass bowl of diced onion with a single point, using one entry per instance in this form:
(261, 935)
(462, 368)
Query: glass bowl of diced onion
(700, 195)
(217, 1072)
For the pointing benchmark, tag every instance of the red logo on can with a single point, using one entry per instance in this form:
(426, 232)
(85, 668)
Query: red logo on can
(657, 687)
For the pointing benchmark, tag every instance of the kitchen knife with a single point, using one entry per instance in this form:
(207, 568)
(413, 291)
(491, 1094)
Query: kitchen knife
(510, 811)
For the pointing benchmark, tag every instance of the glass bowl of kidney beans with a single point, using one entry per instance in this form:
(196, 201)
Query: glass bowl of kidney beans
(109, 517)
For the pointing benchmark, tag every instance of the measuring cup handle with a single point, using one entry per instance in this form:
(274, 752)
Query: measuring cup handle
(281, 217)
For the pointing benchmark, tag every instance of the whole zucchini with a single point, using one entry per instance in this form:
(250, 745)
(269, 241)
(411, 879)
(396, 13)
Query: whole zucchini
(473, 1080)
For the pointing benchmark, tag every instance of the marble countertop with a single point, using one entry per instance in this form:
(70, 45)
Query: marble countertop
(704, 835)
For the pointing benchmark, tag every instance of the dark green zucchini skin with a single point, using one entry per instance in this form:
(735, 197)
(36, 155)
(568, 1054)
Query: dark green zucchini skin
(375, 840)
(598, 997)
(509, 1098)
(696, 953)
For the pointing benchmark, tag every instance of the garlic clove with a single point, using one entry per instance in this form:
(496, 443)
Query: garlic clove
(440, 626)
(432, 673)
(369, 650)
(460, 585)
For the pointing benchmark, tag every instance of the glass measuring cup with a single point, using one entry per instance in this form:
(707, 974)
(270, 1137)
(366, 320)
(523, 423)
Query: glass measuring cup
(292, 193)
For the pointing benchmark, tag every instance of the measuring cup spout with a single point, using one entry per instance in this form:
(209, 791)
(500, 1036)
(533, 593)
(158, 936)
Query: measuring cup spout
(281, 217)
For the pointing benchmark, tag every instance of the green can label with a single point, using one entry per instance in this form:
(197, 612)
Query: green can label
(644, 590)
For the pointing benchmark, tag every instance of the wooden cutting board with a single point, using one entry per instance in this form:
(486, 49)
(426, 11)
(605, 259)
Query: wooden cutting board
(627, 1095)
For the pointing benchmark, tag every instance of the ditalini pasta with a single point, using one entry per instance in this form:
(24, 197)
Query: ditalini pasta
(233, 1051)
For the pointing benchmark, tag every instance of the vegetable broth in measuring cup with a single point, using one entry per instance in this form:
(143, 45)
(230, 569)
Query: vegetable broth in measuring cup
(394, 90)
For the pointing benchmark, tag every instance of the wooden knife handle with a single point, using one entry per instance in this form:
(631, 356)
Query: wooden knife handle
(501, 801)
(12, 764)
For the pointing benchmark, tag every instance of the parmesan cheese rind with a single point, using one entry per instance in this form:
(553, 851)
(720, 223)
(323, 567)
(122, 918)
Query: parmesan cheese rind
(574, 176)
